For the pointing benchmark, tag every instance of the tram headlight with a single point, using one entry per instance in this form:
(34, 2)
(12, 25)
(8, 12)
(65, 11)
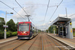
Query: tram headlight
(18, 34)
(24, 32)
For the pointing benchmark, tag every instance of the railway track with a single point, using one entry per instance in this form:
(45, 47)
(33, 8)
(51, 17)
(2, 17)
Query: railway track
(19, 45)
(56, 45)
(11, 45)
(59, 45)
(8, 43)
(40, 42)
(52, 44)
(30, 45)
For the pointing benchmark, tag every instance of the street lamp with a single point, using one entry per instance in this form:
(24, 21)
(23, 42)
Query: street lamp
(5, 24)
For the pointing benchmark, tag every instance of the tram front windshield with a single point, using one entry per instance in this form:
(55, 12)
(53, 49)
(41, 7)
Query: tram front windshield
(23, 27)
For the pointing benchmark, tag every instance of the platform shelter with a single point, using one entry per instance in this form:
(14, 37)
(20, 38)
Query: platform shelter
(64, 27)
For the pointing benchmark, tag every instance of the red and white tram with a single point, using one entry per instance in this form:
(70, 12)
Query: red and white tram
(25, 30)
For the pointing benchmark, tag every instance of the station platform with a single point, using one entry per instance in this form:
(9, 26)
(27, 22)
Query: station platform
(8, 39)
(68, 42)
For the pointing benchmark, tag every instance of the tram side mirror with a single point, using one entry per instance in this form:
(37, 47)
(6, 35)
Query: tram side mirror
(17, 25)
(33, 27)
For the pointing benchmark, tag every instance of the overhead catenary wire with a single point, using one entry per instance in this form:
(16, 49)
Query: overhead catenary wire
(54, 12)
(21, 7)
(55, 9)
(10, 8)
(47, 9)
(23, 10)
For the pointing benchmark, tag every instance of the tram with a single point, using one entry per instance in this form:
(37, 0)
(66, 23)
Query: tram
(26, 30)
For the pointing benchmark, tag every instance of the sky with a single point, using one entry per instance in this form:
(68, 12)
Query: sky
(37, 9)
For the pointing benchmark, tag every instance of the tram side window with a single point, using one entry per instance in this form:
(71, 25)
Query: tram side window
(31, 28)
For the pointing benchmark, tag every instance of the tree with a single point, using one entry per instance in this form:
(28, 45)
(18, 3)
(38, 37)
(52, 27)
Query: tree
(51, 29)
(73, 28)
(47, 31)
(16, 25)
(39, 30)
(11, 25)
(2, 22)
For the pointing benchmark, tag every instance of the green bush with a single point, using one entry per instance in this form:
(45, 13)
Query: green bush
(73, 34)
(1, 34)
(9, 34)
(14, 33)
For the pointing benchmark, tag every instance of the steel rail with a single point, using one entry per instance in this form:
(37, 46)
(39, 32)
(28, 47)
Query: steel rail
(49, 42)
(62, 43)
(42, 44)
(20, 45)
(9, 43)
(32, 43)
(53, 41)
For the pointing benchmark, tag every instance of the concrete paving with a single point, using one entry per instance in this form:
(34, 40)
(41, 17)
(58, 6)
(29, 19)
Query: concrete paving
(8, 39)
(68, 42)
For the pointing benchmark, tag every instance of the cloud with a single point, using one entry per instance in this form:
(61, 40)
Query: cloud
(72, 16)
(29, 10)
(2, 15)
(44, 26)
(39, 8)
